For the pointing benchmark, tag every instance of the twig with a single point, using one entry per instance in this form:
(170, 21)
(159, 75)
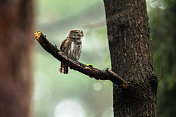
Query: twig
(121, 18)
(162, 74)
(75, 65)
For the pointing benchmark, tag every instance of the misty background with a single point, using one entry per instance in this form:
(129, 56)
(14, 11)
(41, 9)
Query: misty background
(77, 95)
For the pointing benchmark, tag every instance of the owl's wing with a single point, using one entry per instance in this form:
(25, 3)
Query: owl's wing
(64, 49)
(65, 45)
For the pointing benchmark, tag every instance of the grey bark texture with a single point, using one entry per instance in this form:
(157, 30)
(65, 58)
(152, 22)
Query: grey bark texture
(131, 58)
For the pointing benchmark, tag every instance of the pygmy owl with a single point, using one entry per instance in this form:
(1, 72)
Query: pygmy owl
(71, 47)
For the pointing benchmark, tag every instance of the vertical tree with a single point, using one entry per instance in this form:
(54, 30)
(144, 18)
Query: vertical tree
(15, 36)
(131, 58)
(134, 93)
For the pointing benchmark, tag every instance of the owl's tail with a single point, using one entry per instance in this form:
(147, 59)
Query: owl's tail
(63, 68)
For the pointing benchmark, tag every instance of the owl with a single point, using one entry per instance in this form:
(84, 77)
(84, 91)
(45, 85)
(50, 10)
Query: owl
(71, 47)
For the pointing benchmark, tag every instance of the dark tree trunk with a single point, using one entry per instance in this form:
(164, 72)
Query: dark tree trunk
(15, 36)
(131, 58)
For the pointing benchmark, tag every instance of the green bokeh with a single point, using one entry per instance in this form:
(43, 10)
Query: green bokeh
(91, 97)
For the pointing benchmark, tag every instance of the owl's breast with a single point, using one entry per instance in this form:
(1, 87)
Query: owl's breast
(75, 50)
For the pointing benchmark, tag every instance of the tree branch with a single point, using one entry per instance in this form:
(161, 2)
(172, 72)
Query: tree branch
(75, 65)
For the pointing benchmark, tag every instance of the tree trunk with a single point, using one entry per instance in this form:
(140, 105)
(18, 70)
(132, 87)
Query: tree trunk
(15, 36)
(131, 58)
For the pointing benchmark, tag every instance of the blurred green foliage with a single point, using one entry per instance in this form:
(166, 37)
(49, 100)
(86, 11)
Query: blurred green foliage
(163, 33)
(56, 94)
(61, 8)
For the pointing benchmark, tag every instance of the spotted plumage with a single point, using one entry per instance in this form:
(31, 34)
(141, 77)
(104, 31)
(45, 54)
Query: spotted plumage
(71, 47)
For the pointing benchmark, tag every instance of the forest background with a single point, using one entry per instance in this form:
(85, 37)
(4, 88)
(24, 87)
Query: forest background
(76, 95)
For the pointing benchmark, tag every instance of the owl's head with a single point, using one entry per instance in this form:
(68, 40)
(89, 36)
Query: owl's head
(75, 34)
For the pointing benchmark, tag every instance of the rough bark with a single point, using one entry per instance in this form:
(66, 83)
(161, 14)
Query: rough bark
(131, 58)
(15, 36)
